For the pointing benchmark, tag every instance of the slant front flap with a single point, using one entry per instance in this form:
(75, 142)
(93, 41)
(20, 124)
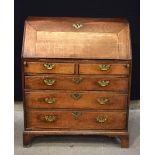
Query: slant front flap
(83, 38)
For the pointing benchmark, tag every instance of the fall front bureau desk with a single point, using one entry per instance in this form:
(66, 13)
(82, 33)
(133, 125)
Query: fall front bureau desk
(76, 77)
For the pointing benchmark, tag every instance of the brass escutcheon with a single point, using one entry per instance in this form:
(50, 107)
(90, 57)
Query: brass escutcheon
(77, 26)
(76, 114)
(25, 63)
(77, 80)
(76, 96)
(127, 65)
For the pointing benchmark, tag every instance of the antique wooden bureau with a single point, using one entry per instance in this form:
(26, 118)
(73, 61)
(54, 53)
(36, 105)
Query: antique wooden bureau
(76, 77)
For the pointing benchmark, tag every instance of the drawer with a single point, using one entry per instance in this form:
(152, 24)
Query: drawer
(46, 67)
(79, 100)
(118, 69)
(76, 120)
(76, 83)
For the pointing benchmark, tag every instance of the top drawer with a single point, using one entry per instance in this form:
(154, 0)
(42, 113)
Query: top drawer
(45, 67)
(118, 69)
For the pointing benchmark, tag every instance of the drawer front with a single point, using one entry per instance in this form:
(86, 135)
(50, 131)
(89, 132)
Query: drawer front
(45, 67)
(79, 100)
(76, 120)
(76, 83)
(118, 69)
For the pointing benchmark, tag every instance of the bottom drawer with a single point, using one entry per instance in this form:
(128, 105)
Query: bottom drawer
(76, 120)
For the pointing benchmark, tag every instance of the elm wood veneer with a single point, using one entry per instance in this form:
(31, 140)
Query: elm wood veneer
(79, 120)
(82, 100)
(86, 83)
(59, 38)
(76, 70)
(58, 68)
(96, 69)
(68, 68)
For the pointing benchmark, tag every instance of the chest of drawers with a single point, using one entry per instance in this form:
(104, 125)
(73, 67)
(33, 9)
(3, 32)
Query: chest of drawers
(76, 77)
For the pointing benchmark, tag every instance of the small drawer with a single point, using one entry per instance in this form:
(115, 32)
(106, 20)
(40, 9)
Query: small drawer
(76, 120)
(48, 67)
(76, 83)
(75, 100)
(118, 69)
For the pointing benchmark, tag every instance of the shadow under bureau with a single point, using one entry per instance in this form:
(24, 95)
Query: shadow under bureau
(76, 77)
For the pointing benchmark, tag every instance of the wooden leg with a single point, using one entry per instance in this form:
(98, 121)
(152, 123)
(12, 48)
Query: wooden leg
(124, 141)
(27, 139)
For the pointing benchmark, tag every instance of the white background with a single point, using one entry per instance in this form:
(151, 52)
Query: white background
(6, 77)
(147, 77)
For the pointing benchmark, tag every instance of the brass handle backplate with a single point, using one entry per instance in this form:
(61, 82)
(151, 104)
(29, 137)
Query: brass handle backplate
(102, 100)
(76, 96)
(77, 26)
(77, 80)
(49, 66)
(76, 114)
(101, 119)
(49, 82)
(103, 83)
(104, 67)
(49, 100)
(50, 118)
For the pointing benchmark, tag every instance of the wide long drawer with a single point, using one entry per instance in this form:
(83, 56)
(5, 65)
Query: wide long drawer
(76, 120)
(76, 83)
(75, 100)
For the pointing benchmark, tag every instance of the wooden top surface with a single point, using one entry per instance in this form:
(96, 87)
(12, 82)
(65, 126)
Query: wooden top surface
(56, 37)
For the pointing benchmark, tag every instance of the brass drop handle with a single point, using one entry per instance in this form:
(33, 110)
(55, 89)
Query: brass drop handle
(49, 66)
(49, 100)
(76, 114)
(77, 80)
(102, 100)
(77, 26)
(101, 119)
(104, 67)
(76, 96)
(103, 83)
(49, 82)
(50, 118)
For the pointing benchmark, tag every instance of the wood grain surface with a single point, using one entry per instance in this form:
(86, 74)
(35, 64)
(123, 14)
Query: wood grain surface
(57, 38)
(95, 69)
(71, 98)
(86, 120)
(64, 100)
(66, 83)
(60, 68)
